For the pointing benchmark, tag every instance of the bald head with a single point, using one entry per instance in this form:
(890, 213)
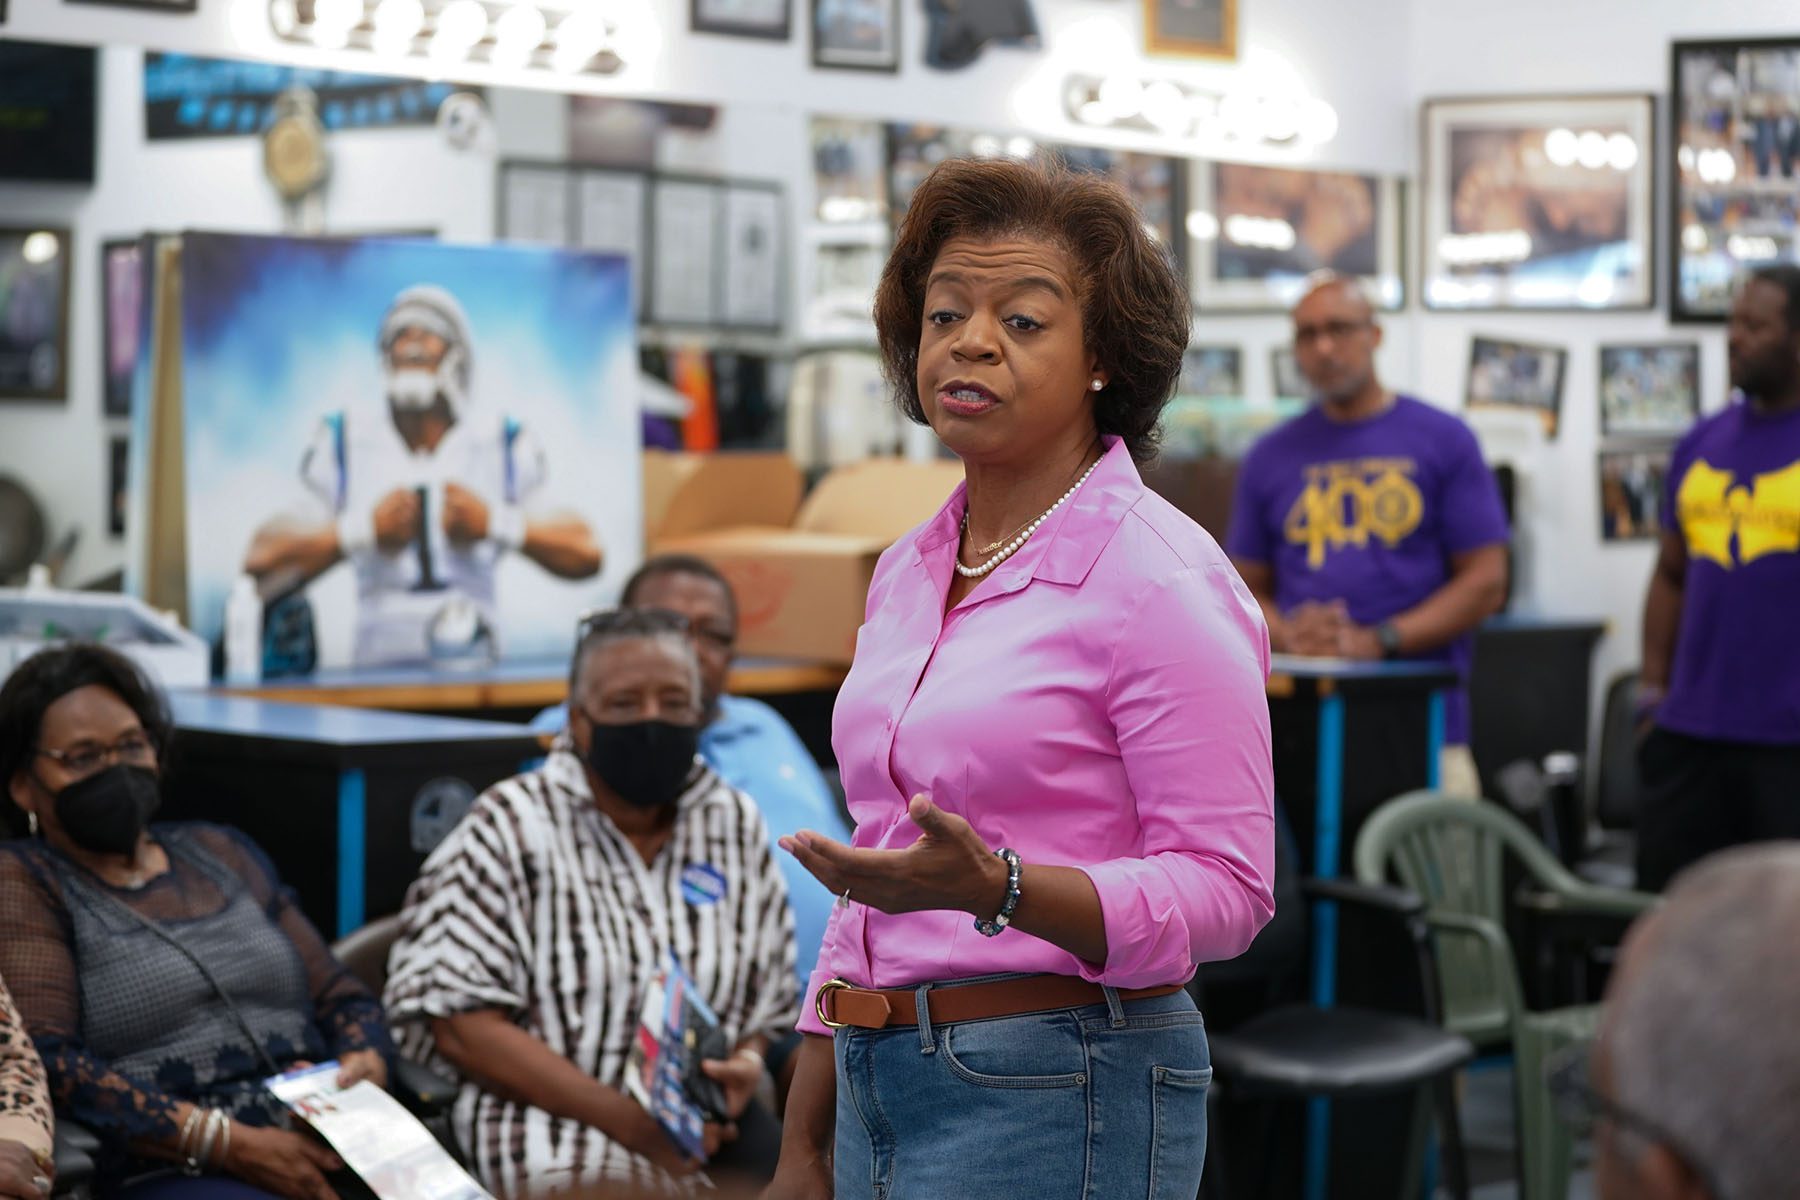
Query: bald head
(1346, 287)
(1335, 338)
(1699, 1034)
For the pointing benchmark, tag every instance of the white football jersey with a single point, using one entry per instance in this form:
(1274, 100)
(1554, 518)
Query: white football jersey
(357, 458)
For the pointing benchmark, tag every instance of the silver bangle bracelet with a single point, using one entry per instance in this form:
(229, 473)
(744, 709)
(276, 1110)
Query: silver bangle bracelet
(224, 1139)
(210, 1136)
(184, 1145)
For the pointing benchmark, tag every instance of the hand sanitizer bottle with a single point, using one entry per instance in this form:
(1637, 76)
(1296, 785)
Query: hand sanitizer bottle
(243, 633)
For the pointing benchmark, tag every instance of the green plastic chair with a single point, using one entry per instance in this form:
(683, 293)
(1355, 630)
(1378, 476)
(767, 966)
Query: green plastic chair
(1450, 851)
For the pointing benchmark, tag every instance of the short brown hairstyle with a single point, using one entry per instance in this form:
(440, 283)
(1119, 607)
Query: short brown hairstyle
(1134, 305)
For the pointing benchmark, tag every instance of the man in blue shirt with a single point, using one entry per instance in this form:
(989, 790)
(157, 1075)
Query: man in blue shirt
(744, 740)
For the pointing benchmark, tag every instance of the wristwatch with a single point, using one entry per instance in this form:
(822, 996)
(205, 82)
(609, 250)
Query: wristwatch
(1388, 635)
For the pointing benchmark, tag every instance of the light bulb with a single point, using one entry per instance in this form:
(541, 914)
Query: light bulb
(1122, 95)
(333, 20)
(1166, 107)
(579, 37)
(460, 25)
(397, 23)
(519, 31)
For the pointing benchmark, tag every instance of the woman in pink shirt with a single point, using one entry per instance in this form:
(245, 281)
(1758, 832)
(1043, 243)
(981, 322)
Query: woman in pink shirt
(1054, 738)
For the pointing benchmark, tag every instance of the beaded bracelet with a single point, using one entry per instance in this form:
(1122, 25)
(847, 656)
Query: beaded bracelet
(1013, 868)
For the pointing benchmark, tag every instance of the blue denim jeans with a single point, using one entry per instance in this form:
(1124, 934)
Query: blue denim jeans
(1105, 1102)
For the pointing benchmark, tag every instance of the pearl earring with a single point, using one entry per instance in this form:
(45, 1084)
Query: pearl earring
(1097, 384)
(31, 823)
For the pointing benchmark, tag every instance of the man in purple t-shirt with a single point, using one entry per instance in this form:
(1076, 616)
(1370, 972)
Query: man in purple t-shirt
(1721, 671)
(1368, 527)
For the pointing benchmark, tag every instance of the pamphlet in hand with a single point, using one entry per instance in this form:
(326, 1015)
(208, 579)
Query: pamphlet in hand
(376, 1137)
(676, 1033)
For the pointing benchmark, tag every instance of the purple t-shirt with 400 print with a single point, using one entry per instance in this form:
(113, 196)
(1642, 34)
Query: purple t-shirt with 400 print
(1370, 513)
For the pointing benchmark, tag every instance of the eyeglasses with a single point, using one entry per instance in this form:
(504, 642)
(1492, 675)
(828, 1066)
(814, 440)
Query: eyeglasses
(1337, 331)
(649, 621)
(134, 749)
(1580, 1106)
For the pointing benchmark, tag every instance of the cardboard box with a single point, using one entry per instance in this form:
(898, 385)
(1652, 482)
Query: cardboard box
(686, 494)
(801, 590)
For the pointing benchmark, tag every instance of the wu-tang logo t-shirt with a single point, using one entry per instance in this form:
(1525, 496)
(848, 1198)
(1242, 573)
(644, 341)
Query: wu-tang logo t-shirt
(1734, 499)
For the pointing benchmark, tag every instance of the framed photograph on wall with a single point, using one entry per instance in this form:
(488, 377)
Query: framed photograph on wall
(1517, 375)
(1649, 390)
(536, 203)
(849, 171)
(1631, 492)
(1212, 371)
(1284, 371)
(1255, 233)
(914, 149)
(861, 35)
(1191, 28)
(771, 19)
(840, 295)
(1153, 181)
(1539, 202)
(34, 312)
(121, 321)
(1736, 177)
(118, 458)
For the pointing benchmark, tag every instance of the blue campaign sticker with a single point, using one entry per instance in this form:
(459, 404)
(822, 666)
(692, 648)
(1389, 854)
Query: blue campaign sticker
(702, 884)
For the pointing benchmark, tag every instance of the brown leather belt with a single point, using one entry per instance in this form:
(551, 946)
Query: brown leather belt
(839, 1004)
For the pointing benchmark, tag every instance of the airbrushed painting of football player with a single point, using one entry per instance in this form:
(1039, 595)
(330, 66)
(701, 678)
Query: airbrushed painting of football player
(423, 497)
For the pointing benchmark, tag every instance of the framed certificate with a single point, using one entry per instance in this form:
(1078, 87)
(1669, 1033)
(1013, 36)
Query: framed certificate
(752, 290)
(611, 216)
(685, 259)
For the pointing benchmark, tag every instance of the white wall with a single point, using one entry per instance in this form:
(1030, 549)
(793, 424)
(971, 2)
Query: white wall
(1539, 47)
(408, 178)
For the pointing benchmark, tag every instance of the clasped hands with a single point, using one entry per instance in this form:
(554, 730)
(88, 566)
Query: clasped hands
(397, 518)
(948, 867)
(1325, 630)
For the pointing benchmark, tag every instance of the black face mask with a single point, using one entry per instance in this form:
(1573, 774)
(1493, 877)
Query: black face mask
(645, 763)
(106, 813)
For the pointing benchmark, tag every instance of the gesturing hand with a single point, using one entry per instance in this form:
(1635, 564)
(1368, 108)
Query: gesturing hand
(949, 867)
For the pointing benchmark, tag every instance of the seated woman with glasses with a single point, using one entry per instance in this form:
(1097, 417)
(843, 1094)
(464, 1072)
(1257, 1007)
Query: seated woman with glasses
(162, 970)
(531, 934)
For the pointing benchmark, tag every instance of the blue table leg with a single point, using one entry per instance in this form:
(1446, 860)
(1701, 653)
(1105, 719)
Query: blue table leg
(1328, 818)
(352, 850)
(1434, 742)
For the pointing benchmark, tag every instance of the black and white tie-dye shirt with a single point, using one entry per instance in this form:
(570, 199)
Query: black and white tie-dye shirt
(538, 906)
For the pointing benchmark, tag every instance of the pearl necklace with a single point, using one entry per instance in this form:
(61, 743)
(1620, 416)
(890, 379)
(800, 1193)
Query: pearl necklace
(1011, 547)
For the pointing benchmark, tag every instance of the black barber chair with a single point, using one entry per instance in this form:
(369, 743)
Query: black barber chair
(1297, 1051)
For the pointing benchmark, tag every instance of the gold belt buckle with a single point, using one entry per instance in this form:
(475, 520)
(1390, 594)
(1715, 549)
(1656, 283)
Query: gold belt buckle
(830, 985)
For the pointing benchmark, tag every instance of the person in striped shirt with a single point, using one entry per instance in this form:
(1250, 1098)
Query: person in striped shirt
(530, 935)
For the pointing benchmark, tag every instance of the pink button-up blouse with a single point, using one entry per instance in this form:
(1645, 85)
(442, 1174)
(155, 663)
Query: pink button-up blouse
(1096, 702)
